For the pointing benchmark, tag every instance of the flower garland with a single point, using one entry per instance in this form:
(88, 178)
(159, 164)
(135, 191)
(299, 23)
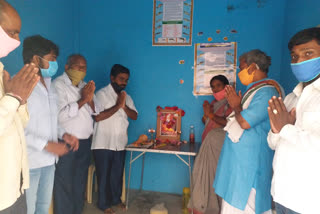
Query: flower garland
(174, 108)
(169, 122)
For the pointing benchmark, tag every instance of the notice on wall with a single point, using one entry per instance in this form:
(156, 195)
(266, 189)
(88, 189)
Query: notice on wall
(213, 59)
(172, 22)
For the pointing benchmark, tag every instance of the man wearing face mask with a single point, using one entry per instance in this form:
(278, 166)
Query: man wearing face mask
(243, 176)
(76, 108)
(110, 137)
(43, 131)
(14, 171)
(295, 131)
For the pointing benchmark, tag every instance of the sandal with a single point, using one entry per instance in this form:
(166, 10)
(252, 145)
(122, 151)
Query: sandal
(122, 206)
(109, 211)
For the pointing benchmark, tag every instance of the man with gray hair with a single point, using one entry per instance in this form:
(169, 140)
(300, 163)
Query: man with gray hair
(76, 108)
(243, 176)
(14, 92)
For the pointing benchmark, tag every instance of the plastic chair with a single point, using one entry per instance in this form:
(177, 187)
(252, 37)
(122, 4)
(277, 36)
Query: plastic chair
(91, 172)
(123, 194)
(51, 207)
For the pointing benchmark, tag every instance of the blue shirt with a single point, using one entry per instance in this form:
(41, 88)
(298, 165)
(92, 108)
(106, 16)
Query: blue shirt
(248, 163)
(43, 125)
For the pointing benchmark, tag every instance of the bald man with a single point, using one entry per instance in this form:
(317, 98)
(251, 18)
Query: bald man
(76, 108)
(14, 171)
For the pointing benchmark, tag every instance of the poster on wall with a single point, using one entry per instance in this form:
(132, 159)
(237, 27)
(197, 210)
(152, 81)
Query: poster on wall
(211, 59)
(172, 22)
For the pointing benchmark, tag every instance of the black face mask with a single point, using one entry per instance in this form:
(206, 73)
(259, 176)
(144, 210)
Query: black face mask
(117, 88)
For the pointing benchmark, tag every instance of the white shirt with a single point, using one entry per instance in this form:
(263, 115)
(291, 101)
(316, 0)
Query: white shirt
(42, 126)
(13, 150)
(111, 133)
(296, 163)
(75, 121)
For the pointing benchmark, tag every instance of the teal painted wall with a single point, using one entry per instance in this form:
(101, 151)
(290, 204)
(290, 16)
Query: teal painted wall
(109, 32)
(299, 15)
(121, 32)
(54, 20)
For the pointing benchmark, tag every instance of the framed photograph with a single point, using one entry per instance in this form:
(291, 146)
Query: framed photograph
(168, 125)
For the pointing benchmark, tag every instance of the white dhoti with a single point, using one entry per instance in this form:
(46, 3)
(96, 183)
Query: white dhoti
(250, 207)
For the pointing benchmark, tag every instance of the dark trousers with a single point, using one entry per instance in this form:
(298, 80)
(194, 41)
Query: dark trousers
(283, 210)
(71, 179)
(109, 169)
(19, 207)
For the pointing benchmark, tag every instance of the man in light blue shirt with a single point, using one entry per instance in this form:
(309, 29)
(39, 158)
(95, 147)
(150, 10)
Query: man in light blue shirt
(42, 131)
(243, 176)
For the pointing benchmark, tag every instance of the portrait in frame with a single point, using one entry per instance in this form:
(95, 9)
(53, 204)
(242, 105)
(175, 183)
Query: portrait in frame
(168, 125)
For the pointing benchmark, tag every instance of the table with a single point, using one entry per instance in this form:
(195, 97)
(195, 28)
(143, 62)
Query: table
(184, 149)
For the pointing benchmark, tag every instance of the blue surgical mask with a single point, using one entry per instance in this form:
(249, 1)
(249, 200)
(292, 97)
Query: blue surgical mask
(307, 70)
(51, 71)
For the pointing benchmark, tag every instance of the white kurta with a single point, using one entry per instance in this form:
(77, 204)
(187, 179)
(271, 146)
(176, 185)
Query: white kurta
(111, 133)
(75, 121)
(13, 150)
(295, 183)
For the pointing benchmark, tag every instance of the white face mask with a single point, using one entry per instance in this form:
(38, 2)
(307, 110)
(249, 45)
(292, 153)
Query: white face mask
(7, 44)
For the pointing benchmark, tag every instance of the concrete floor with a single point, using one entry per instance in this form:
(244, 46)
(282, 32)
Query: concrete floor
(141, 203)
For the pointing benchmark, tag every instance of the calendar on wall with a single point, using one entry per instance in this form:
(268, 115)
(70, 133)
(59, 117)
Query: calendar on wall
(211, 59)
(172, 22)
